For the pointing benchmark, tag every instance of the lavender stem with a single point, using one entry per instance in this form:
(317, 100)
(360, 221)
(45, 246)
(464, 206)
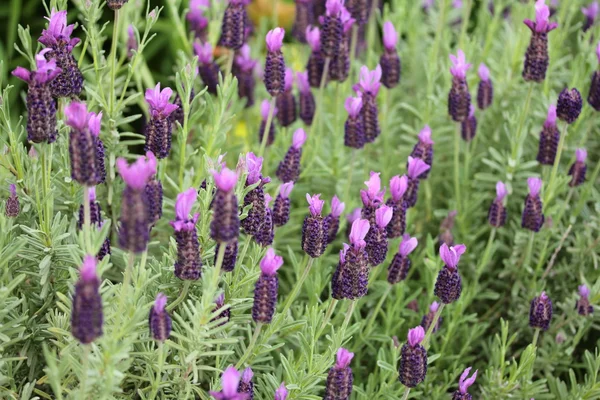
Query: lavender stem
(113, 63)
(181, 297)
(297, 286)
(85, 363)
(86, 221)
(327, 317)
(250, 345)
(550, 188)
(434, 322)
(263, 143)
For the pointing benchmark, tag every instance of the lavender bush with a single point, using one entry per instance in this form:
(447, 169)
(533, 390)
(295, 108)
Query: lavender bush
(141, 256)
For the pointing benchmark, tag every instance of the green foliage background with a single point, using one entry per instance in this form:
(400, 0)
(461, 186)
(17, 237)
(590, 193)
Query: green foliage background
(487, 328)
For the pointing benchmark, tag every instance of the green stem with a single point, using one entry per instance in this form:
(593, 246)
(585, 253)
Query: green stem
(263, 143)
(87, 225)
(161, 362)
(516, 145)
(297, 286)
(181, 297)
(486, 255)
(433, 59)
(349, 313)
(353, 41)
(564, 207)
(457, 168)
(126, 280)
(250, 346)
(85, 363)
(434, 322)
(229, 66)
(113, 63)
(529, 250)
(536, 335)
(350, 175)
(328, 314)
(378, 307)
(318, 119)
(245, 249)
(406, 393)
(550, 187)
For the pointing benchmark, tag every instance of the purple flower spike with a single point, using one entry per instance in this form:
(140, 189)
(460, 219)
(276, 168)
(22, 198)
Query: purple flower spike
(360, 228)
(313, 37)
(132, 44)
(159, 101)
(579, 168)
(377, 243)
(333, 219)
(390, 36)
(370, 80)
(306, 100)
(400, 265)
(485, 90)
(416, 336)
(536, 57)
(398, 186)
(583, 305)
(288, 169)
(271, 262)
(535, 186)
(315, 229)
(540, 312)
(383, 215)
(459, 65)
(448, 285)
(281, 206)
(464, 382)
(416, 167)
(137, 174)
(315, 204)
(265, 291)
(451, 255)
(413, 361)
(58, 30)
(281, 393)
(339, 378)
(299, 138)
(542, 22)
(189, 264)
(160, 320)
(225, 180)
(274, 39)
(497, 212)
(407, 245)
(86, 312)
(246, 384)
(484, 72)
(230, 381)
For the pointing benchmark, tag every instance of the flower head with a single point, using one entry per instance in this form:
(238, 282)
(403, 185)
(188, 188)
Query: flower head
(315, 204)
(274, 39)
(484, 72)
(58, 30)
(343, 358)
(383, 216)
(353, 105)
(281, 393)
(501, 191)
(390, 36)
(584, 291)
(334, 7)
(464, 383)
(459, 65)
(535, 185)
(230, 381)
(425, 135)
(370, 81)
(313, 37)
(271, 262)
(204, 51)
(359, 230)
(159, 101)
(416, 336)
(254, 165)
(285, 189)
(225, 180)
(299, 138)
(416, 167)
(373, 195)
(581, 155)
(137, 174)
(88, 269)
(45, 72)
(542, 22)
(407, 245)
(337, 207)
(591, 11)
(451, 255)
(398, 186)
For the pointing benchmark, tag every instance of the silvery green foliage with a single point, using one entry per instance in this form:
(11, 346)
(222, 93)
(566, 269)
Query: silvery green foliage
(503, 269)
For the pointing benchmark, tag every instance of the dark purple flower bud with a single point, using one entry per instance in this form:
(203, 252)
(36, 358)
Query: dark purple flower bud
(57, 37)
(255, 197)
(281, 206)
(104, 249)
(83, 142)
(354, 130)
(246, 385)
(315, 230)
(416, 168)
(583, 305)
(243, 69)
(459, 98)
(225, 224)
(360, 10)
(304, 18)
(540, 312)
(41, 106)
(485, 91)
(230, 256)
(448, 285)
(579, 168)
(265, 292)
(369, 87)
(413, 360)
(154, 193)
(158, 130)
(468, 128)
(195, 16)
(532, 217)
(339, 378)
(224, 312)
(95, 210)
(133, 232)
(115, 4)
(86, 313)
(591, 13)
(286, 102)
(209, 70)
(497, 212)
(549, 138)
(159, 319)
(316, 62)
(463, 385)
(377, 243)
(594, 94)
(427, 319)
(398, 269)
(536, 57)
(306, 98)
(333, 218)
(188, 265)
(332, 28)
(424, 150)
(289, 168)
(177, 115)
(372, 198)
(397, 225)
(339, 67)
(233, 27)
(389, 61)
(266, 232)
(569, 105)
(12, 203)
(274, 76)
(264, 112)
(351, 277)
(230, 381)
(132, 43)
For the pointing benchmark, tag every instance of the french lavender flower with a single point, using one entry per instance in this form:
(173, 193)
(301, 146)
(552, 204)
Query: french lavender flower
(274, 75)
(389, 61)
(195, 17)
(12, 206)
(159, 129)
(264, 112)
(207, 68)
(413, 359)
(133, 233)
(266, 232)
(416, 167)
(540, 312)
(536, 57)
(132, 43)
(579, 168)
(340, 63)
(41, 106)
(116, 4)
(485, 90)
(497, 212)
(305, 98)
(230, 256)
(286, 101)
(304, 18)
(468, 127)
(549, 138)
(351, 277)
(246, 385)
(225, 224)
(350, 218)
(256, 196)
(448, 285)
(591, 13)
(289, 168)
(354, 130)
(459, 98)
(87, 163)
(397, 225)
(57, 37)
(316, 62)
(315, 229)
(233, 26)
(594, 94)
(569, 105)
(224, 313)
(333, 218)
(532, 217)
(427, 319)
(360, 10)
(86, 313)
(95, 210)
(243, 69)
(372, 198)
(377, 242)
(281, 393)
(369, 87)
(265, 292)
(398, 269)
(281, 206)
(230, 381)
(463, 385)
(159, 319)
(339, 378)
(583, 305)
(154, 193)
(188, 265)
(332, 28)
(424, 150)
(105, 248)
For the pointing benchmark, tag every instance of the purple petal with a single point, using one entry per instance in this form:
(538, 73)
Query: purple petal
(407, 245)
(343, 358)
(484, 72)
(285, 189)
(398, 186)
(353, 106)
(383, 216)
(185, 203)
(501, 191)
(271, 262)
(581, 155)
(22, 73)
(315, 204)
(88, 269)
(584, 291)
(416, 167)
(274, 39)
(225, 180)
(299, 138)
(416, 336)
(337, 207)
(359, 230)
(425, 135)
(160, 303)
(390, 36)
(535, 185)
